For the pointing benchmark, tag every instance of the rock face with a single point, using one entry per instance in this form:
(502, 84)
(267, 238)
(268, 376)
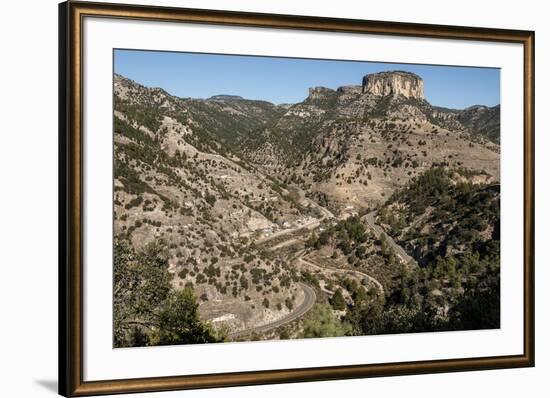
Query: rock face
(394, 84)
(316, 93)
(350, 89)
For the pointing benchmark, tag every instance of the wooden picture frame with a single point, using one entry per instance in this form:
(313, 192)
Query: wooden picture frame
(71, 238)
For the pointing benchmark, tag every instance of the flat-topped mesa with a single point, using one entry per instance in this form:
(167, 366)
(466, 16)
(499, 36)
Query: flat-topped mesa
(394, 84)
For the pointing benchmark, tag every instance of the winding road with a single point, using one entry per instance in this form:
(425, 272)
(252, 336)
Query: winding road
(325, 214)
(401, 253)
(310, 225)
(309, 293)
(343, 271)
(305, 306)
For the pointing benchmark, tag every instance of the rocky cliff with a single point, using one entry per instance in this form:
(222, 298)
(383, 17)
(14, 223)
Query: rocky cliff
(394, 84)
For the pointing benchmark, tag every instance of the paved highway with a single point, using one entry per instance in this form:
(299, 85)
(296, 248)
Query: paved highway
(309, 292)
(401, 253)
(325, 214)
(305, 306)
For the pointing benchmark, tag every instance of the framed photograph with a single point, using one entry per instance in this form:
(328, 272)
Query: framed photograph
(252, 199)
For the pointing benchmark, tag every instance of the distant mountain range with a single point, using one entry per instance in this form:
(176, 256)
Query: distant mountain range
(221, 172)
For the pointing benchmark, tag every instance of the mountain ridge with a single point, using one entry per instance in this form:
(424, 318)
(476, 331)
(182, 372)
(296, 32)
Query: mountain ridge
(346, 88)
(273, 137)
(215, 179)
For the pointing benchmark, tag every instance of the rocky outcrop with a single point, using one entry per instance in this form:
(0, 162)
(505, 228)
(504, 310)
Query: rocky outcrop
(350, 89)
(443, 115)
(317, 93)
(394, 84)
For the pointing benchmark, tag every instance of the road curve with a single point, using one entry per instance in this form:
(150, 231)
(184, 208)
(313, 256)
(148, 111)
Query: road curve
(310, 225)
(401, 253)
(344, 271)
(302, 309)
(325, 214)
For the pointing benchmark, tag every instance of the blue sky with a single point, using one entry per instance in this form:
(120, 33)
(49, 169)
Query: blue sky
(286, 80)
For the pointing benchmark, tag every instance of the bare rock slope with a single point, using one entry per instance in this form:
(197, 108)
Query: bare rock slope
(212, 177)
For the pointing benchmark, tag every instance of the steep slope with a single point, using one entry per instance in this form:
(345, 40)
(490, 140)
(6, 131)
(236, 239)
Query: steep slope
(355, 145)
(167, 188)
(482, 120)
(379, 134)
(449, 222)
(444, 213)
(215, 178)
(219, 123)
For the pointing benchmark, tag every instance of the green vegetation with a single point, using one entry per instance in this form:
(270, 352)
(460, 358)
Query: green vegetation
(214, 126)
(348, 236)
(265, 302)
(447, 217)
(321, 322)
(147, 152)
(337, 300)
(486, 122)
(419, 305)
(179, 322)
(200, 203)
(146, 115)
(452, 228)
(146, 309)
